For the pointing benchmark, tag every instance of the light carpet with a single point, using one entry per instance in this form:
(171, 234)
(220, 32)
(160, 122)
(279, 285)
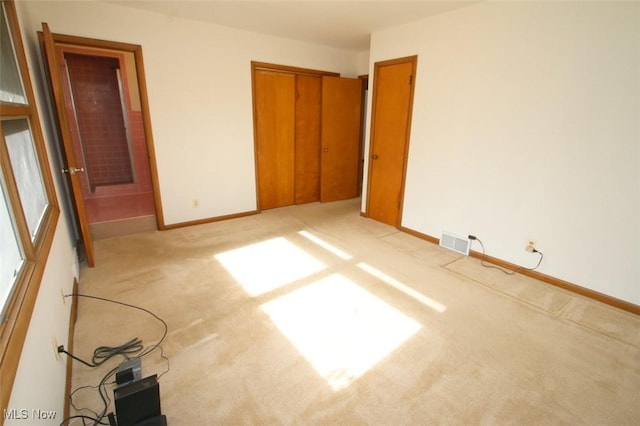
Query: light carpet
(313, 314)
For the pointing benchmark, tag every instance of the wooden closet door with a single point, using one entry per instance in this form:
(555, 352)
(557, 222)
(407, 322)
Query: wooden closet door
(340, 138)
(307, 138)
(274, 95)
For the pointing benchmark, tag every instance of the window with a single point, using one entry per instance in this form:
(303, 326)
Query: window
(12, 255)
(24, 162)
(28, 206)
(11, 88)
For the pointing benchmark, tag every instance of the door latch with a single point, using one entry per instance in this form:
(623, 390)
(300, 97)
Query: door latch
(73, 170)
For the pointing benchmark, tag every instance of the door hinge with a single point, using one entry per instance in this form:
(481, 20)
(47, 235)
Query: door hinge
(410, 79)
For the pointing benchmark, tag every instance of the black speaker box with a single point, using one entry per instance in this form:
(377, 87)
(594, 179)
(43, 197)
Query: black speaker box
(154, 421)
(137, 401)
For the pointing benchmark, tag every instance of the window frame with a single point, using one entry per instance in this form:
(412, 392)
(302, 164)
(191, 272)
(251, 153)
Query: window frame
(19, 309)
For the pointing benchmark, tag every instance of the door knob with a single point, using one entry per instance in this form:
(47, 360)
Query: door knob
(73, 170)
(325, 149)
(375, 156)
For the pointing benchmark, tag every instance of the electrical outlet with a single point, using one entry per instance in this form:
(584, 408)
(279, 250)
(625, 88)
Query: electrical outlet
(531, 246)
(54, 342)
(196, 202)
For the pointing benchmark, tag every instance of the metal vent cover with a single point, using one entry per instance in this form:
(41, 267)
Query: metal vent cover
(453, 242)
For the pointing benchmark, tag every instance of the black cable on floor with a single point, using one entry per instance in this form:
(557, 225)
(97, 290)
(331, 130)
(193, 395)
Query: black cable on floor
(505, 271)
(104, 299)
(83, 417)
(103, 353)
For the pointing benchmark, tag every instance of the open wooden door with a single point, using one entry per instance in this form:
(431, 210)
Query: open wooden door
(390, 126)
(72, 168)
(340, 138)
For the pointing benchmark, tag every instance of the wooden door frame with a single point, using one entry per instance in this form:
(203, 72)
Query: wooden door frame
(136, 50)
(414, 60)
(265, 66)
(363, 116)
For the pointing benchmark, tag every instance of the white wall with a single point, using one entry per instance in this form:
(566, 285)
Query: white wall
(40, 379)
(199, 83)
(363, 63)
(526, 125)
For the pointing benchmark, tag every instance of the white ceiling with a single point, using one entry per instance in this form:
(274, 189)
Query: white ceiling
(341, 24)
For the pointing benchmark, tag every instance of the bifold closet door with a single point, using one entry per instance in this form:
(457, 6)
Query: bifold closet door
(274, 94)
(307, 138)
(340, 138)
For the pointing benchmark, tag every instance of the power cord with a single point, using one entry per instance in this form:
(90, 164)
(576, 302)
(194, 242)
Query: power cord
(104, 396)
(83, 417)
(103, 353)
(104, 299)
(505, 271)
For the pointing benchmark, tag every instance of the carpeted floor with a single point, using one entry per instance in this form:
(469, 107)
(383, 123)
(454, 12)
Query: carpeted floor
(314, 315)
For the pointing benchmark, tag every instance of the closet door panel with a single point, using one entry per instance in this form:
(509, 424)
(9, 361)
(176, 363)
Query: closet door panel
(274, 94)
(307, 138)
(340, 138)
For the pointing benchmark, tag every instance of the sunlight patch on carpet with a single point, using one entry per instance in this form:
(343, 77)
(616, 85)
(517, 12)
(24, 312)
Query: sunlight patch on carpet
(340, 328)
(427, 301)
(268, 265)
(329, 247)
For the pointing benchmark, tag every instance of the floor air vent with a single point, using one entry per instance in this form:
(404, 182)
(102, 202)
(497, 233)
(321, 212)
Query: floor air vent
(455, 243)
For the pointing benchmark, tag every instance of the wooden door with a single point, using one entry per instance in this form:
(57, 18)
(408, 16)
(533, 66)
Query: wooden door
(390, 127)
(274, 103)
(71, 166)
(307, 138)
(340, 138)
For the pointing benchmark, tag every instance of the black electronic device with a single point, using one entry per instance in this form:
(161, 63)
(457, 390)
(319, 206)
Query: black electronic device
(138, 401)
(154, 421)
(129, 371)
